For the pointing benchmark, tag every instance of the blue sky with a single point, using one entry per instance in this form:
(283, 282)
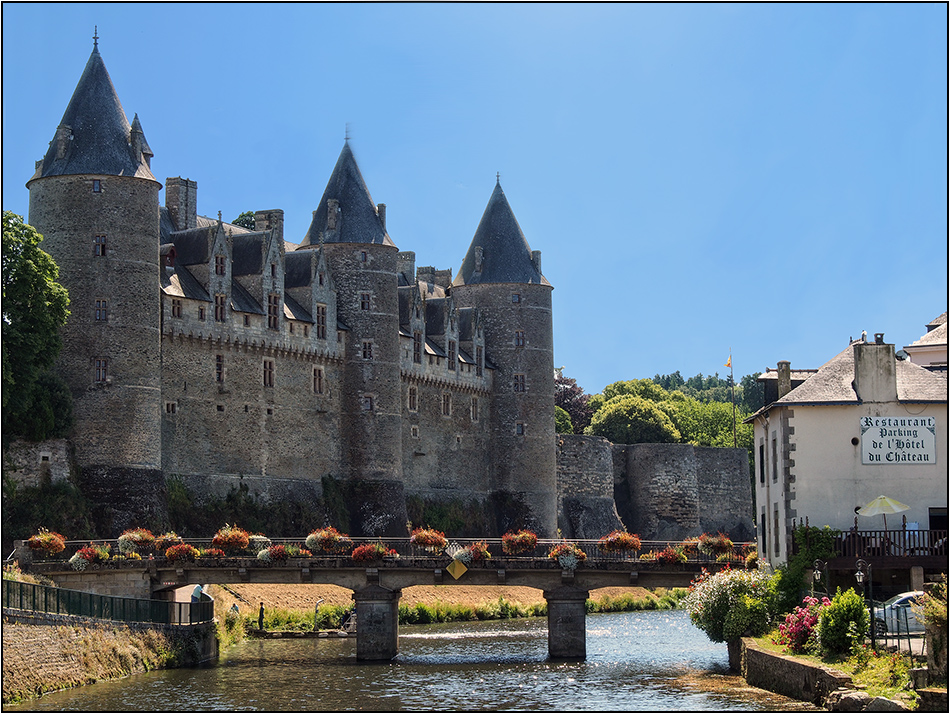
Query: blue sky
(770, 179)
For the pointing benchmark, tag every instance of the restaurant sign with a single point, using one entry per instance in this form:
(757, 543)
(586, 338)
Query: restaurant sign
(898, 440)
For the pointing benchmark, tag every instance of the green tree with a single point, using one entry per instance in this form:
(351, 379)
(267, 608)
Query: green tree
(35, 306)
(245, 220)
(629, 419)
(562, 421)
(571, 398)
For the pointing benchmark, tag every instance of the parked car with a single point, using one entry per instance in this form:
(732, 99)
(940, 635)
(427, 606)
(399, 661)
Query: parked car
(896, 616)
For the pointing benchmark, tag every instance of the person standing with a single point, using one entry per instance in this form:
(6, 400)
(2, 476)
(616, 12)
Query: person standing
(260, 618)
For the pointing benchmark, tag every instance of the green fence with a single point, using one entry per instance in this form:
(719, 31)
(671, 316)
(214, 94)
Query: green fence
(41, 598)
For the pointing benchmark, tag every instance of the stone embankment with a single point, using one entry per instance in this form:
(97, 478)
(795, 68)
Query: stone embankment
(44, 653)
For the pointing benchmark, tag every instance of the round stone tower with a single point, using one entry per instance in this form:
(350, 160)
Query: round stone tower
(501, 277)
(362, 260)
(95, 200)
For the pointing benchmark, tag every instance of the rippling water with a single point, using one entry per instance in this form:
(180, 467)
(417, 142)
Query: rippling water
(635, 661)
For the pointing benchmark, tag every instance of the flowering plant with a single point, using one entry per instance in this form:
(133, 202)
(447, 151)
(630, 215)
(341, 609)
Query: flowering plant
(166, 541)
(731, 603)
(649, 557)
(518, 542)
(210, 553)
(273, 554)
(798, 632)
(714, 544)
(231, 539)
(182, 551)
(428, 538)
(690, 546)
(134, 539)
(670, 555)
(568, 555)
(295, 551)
(371, 551)
(91, 553)
(49, 542)
(479, 551)
(330, 540)
(619, 542)
(258, 542)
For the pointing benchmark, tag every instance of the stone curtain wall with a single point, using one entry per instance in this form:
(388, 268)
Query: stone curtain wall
(585, 480)
(725, 490)
(33, 463)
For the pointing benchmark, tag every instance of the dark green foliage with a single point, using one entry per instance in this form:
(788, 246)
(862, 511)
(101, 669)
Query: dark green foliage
(455, 518)
(572, 399)
(813, 544)
(34, 307)
(334, 503)
(843, 623)
(49, 410)
(56, 506)
(245, 220)
(562, 421)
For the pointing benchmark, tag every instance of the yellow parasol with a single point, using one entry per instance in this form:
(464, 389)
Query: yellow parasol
(882, 505)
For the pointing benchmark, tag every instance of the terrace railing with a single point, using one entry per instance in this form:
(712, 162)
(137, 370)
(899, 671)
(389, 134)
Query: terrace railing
(878, 543)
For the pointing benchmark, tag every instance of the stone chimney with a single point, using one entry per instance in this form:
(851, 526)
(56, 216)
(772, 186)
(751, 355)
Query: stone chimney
(536, 259)
(784, 377)
(875, 371)
(181, 200)
(270, 220)
(381, 212)
(406, 264)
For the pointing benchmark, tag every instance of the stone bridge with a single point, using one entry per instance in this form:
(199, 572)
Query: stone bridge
(377, 586)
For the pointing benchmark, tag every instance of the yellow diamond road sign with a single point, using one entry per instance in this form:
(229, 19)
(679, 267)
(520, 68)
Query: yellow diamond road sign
(456, 569)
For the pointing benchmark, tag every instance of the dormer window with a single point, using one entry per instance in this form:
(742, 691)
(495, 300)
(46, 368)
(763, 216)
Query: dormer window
(320, 279)
(219, 266)
(273, 270)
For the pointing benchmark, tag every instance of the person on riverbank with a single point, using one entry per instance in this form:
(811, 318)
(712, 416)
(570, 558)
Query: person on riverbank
(260, 618)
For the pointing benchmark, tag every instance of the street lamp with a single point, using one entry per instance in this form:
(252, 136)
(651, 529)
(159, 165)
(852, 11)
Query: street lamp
(818, 567)
(863, 569)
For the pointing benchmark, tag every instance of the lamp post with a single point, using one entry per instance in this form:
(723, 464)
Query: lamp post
(817, 573)
(863, 570)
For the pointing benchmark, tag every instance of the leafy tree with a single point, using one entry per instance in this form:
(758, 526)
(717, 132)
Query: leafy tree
(710, 424)
(35, 306)
(562, 421)
(750, 393)
(245, 220)
(629, 419)
(571, 398)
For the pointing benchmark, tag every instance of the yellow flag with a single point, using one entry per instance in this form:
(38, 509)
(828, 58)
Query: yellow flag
(729, 361)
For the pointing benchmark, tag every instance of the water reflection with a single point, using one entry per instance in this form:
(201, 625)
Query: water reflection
(635, 661)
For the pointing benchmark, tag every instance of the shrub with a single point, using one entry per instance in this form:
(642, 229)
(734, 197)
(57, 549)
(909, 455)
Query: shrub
(329, 540)
(797, 633)
(843, 623)
(619, 542)
(690, 546)
(166, 541)
(135, 539)
(181, 552)
(518, 542)
(258, 542)
(47, 542)
(231, 539)
(931, 608)
(370, 552)
(428, 538)
(479, 551)
(568, 555)
(274, 554)
(731, 603)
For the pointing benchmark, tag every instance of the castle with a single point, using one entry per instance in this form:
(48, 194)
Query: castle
(224, 355)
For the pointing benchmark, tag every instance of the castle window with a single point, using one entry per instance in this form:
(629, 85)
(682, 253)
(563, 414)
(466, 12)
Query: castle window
(171, 407)
(515, 297)
(321, 324)
(306, 330)
(417, 347)
(102, 371)
(519, 383)
(270, 411)
(479, 360)
(320, 278)
(220, 303)
(176, 307)
(519, 338)
(201, 313)
(414, 431)
(100, 243)
(102, 314)
(220, 407)
(519, 428)
(219, 368)
(291, 325)
(446, 404)
(413, 399)
(474, 408)
(367, 402)
(318, 380)
(268, 373)
(247, 320)
(365, 301)
(96, 185)
(367, 349)
(452, 358)
(363, 256)
(273, 308)
(219, 265)
(273, 270)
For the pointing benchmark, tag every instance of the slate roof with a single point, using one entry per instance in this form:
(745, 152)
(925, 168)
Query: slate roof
(295, 310)
(297, 269)
(193, 246)
(243, 301)
(101, 133)
(247, 254)
(179, 282)
(506, 255)
(358, 221)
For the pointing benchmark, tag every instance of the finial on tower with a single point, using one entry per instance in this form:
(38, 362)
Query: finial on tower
(346, 135)
(95, 37)
(498, 178)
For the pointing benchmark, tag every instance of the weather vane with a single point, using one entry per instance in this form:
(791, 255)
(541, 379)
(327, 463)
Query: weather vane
(346, 135)
(95, 37)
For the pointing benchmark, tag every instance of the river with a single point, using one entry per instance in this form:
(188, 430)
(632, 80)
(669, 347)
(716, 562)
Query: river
(636, 661)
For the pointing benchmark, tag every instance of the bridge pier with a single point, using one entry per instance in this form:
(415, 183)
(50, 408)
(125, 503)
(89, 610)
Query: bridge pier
(567, 622)
(377, 622)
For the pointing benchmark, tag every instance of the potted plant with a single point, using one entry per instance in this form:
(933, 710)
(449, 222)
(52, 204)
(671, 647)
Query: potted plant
(231, 539)
(92, 554)
(715, 544)
(372, 552)
(670, 555)
(46, 542)
(329, 540)
(619, 542)
(166, 541)
(274, 554)
(258, 542)
(210, 553)
(568, 555)
(429, 538)
(182, 552)
(521, 541)
(134, 540)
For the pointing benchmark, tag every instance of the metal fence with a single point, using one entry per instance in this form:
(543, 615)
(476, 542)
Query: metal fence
(42, 598)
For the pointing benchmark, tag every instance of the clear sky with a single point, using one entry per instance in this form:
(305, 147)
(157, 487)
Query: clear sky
(770, 179)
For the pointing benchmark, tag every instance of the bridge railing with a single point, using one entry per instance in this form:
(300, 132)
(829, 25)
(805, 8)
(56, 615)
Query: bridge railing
(60, 601)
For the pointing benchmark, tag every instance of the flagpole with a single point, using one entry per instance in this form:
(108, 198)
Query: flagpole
(732, 379)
